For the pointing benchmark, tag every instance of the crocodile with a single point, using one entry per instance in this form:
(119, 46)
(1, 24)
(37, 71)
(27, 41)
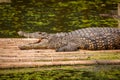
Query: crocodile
(39, 35)
(88, 38)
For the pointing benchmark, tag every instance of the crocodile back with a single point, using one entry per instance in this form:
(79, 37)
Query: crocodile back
(89, 38)
(97, 38)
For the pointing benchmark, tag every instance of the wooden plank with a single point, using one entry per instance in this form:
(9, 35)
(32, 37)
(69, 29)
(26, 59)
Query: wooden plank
(55, 63)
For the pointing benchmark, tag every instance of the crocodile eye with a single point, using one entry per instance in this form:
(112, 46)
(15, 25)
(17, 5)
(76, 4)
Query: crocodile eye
(39, 33)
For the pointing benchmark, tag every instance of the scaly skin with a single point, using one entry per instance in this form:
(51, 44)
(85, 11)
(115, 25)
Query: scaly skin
(88, 38)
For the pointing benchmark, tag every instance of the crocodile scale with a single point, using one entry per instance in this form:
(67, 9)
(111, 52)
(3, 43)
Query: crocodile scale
(87, 38)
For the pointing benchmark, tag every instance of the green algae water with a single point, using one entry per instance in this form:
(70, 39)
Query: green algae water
(76, 72)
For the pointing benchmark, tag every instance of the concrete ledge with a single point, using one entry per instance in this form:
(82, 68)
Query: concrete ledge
(12, 57)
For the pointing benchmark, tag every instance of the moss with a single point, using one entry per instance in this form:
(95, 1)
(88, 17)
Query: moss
(109, 72)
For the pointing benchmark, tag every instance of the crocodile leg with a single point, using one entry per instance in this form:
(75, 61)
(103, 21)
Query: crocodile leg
(69, 47)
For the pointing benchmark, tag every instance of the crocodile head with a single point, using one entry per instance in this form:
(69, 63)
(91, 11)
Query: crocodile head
(38, 35)
(42, 45)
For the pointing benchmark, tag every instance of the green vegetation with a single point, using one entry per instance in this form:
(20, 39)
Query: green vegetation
(103, 56)
(54, 15)
(97, 73)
